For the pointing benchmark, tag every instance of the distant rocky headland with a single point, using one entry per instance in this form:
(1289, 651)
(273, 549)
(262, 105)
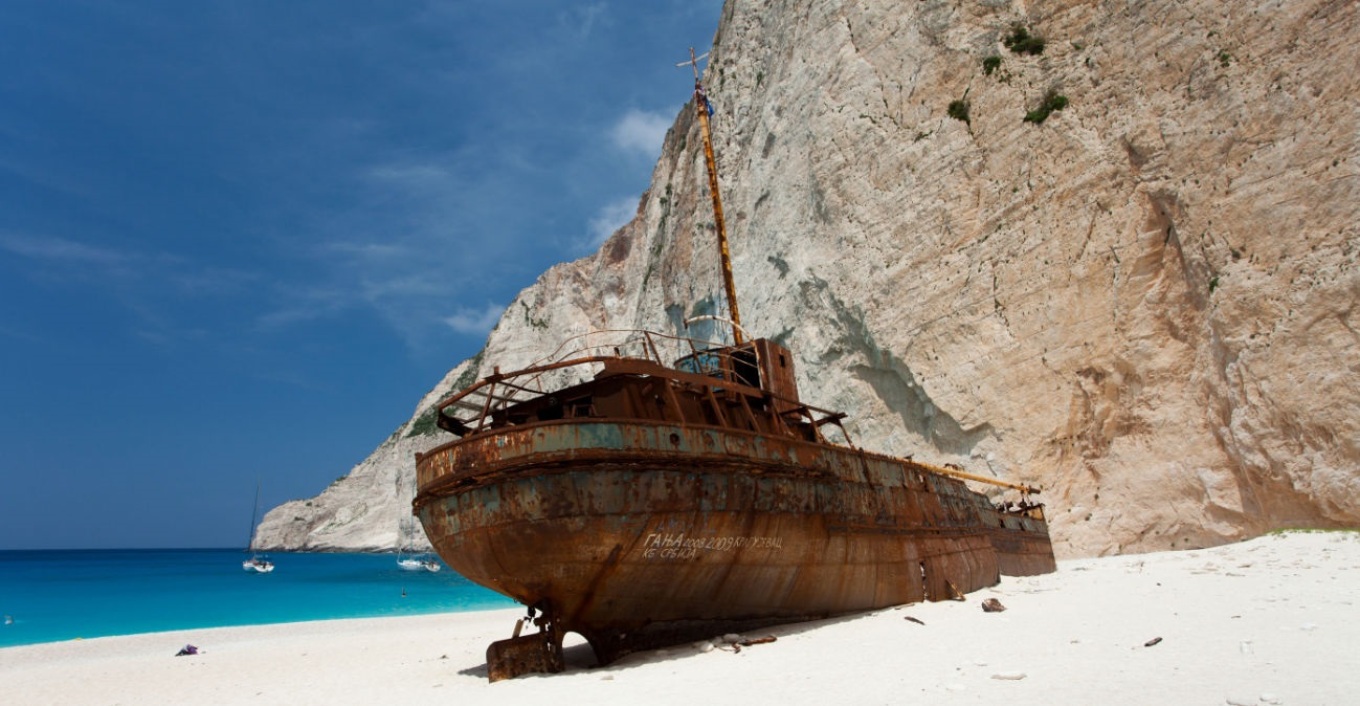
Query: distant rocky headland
(1108, 248)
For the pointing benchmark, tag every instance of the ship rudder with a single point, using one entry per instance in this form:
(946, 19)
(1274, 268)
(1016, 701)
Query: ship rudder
(539, 652)
(526, 654)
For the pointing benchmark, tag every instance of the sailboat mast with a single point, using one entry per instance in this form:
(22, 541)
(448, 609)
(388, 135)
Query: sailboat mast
(254, 515)
(701, 105)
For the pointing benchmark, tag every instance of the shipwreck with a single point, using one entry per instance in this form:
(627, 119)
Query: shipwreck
(645, 489)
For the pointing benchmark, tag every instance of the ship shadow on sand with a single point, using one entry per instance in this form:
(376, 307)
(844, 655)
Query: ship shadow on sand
(580, 657)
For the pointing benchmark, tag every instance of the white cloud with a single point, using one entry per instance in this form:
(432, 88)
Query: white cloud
(473, 321)
(580, 21)
(303, 304)
(63, 259)
(58, 250)
(410, 176)
(641, 132)
(611, 217)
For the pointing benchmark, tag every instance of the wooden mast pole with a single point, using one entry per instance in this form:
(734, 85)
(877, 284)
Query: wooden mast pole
(701, 106)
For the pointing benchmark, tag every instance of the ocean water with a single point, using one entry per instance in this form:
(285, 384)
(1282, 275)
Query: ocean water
(47, 596)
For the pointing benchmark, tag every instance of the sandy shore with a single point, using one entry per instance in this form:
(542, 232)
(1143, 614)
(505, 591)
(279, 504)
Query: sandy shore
(1273, 620)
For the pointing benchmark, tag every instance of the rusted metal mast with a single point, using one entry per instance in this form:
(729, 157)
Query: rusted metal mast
(960, 473)
(702, 107)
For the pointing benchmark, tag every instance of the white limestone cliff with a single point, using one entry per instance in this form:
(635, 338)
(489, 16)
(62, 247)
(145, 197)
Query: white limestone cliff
(1145, 303)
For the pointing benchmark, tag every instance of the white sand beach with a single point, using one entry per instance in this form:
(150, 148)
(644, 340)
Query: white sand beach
(1269, 621)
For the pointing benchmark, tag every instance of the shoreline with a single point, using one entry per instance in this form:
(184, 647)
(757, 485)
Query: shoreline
(1270, 620)
(252, 626)
(102, 593)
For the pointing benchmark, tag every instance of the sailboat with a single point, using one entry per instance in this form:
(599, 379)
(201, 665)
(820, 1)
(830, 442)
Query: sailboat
(257, 563)
(645, 489)
(410, 560)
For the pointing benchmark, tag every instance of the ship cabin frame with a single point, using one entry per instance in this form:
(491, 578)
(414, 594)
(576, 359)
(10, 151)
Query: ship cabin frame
(628, 375)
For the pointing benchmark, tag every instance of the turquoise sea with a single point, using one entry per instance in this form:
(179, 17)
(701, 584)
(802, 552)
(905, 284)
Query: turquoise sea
(46, 596)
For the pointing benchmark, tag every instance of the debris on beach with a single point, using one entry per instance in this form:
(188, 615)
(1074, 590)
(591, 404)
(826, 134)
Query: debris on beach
(992, 605)
(918, 621)
(736, 642)
(187, 650)
(1152, 642)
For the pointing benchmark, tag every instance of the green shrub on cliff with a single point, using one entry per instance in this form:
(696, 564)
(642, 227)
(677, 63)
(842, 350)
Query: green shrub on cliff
(958, 110)
(1020, 41)
(1053, 101)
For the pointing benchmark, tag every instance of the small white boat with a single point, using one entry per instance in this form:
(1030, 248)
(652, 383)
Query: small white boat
(407, 558)
(256, 563)
(411, 563)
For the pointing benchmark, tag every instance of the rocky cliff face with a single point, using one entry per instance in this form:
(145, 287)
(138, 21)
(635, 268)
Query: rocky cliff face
(1145, 302)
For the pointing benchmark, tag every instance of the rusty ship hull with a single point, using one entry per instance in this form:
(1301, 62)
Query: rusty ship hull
(641, 535)
(724, 511)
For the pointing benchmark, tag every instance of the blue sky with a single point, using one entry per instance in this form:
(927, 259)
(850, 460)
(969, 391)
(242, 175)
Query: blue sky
(239, 239)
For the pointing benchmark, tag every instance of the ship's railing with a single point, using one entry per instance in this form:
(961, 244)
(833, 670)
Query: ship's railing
(584, 357)
(577, 360)
(659, 348)
(581, 357)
